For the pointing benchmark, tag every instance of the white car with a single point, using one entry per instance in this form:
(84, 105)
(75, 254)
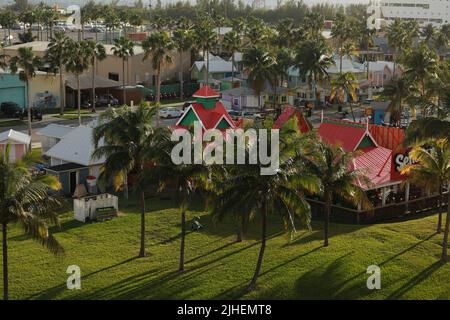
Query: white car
(170, 113)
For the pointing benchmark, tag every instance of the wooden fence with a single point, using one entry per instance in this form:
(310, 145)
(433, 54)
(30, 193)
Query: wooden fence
(377, 214)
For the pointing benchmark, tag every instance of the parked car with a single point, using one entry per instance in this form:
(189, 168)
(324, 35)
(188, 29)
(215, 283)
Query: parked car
(252, 115)
(36, 114)
(97, 29)
(235, 115)
(106, 99)
(59, 28)
(10, 108)
(170, 113)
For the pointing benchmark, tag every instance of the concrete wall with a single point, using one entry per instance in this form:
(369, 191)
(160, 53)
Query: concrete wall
(44, 90)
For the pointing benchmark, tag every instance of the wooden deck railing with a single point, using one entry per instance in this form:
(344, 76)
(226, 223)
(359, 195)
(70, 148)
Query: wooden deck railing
(377, 214)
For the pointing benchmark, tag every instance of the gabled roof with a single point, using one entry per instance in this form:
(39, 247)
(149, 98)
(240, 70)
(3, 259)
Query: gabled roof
(54, 131)
(209, 118)
(347, 134)
(206, 92)
(374, 162)
(76, 147)
(216, 65)
(289, 112)
(15, 136)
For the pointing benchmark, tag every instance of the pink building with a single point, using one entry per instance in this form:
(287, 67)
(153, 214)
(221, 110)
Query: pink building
(17, 140)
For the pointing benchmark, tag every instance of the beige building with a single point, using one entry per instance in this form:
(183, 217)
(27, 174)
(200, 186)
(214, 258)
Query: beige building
(44, 90)
(136, 70)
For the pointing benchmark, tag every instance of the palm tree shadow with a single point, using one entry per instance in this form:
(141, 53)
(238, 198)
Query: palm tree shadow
(54, 291)
(421, 276)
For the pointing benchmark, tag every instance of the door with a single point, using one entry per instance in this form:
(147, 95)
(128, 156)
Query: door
(73, 182)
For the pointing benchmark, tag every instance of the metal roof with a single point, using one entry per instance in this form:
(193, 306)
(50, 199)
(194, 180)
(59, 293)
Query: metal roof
(54, 130)
(76, 147)
(86, 82)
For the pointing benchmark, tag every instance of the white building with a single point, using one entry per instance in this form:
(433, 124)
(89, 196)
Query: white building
(436, 12)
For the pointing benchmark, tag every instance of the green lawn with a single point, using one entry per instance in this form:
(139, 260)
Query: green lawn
(11, 123)
(218, 268)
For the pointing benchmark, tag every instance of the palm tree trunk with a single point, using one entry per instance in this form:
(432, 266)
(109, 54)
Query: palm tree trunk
(351, 110)
(125, 184)
(207, 67)
(29, 113)
(181, 76)
(252, 284)
(240, 230)
(446, 231)
(5, 261)
(183, 239)
(93, 85)
(158, 92)
(124, 96)
(142, 249)
(79, 99)
(440, 208)
(232, 69)
(327, 218)
(61, 91)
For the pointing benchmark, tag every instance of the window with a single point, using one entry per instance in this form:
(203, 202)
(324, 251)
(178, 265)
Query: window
(113, 76)
(235, 101)
(283, 99)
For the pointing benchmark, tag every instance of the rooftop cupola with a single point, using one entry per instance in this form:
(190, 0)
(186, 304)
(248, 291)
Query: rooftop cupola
(207, 97)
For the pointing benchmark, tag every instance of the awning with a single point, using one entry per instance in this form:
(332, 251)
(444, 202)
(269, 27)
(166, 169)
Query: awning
(86, 82)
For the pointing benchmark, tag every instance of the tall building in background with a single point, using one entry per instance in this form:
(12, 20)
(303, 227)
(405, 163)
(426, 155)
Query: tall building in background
(424, 12)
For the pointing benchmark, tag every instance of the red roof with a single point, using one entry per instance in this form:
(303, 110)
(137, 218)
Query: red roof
(206, 92)
(348, 135)
(375, 163)
(210, 118)
(287, 113)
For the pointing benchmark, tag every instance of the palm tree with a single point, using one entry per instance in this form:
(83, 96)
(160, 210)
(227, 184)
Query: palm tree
(432, 171)
(206, 39)
(158, 46)
(421, 66)
(184, 178)
(49, 16)
(259, 64)
(232, 44)
(344, 86)
(183, 40)
(123, 48)
(332, 166)
(77, 61)
(428, 33)
(342, 30)
(280, 194)
(131, 142)
(398, 91)
(312, 60)
(8, 19)
(56, 55)
(26, 63)
(396, 38)
(96, 52)
(427, 129)
(24, 199)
